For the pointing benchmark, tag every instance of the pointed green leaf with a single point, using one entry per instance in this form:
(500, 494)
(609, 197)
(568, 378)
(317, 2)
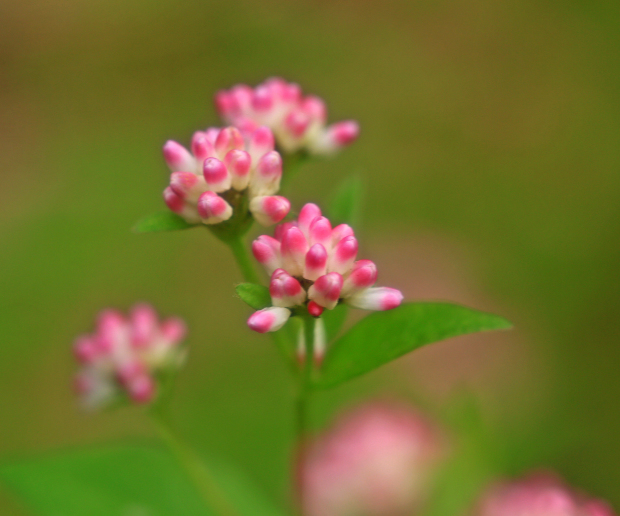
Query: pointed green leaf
(383, 336)
(257, 296)
(162, 221)
(123, 480)
(345, 204)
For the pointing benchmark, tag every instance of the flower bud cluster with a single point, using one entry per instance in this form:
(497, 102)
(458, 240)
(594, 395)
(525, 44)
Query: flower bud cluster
(126, 354)
(538, 495)
(376, 461)
(298, 121)
(222, 162)
(314, 265)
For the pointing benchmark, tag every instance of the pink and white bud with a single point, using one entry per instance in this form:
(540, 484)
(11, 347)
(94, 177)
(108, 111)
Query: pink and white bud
(85, 350)
(377, 460)
(297, 122)
(308, 213)
(228, 139)
(363, 275)
(316, 262)
(213, 209)
(343, 256)
(315, 310)
(266, 177)
(379, 298)
(294, 248)
(326, 290)
(238, 163)
(266, 250)
(268, 319)
(142, 389)
(216, 175)
(261, 142)
(269, 210)
(540, 494)
(178, 158)
(320, 232)
(143, 325)
(341, 231)
(202, 147)
(177, 204)
(173, 330)
(187, 185)
(285, 290)
(335, 137)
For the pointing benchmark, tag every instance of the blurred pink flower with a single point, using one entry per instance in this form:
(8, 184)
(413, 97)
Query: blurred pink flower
(540, 494)
(125, 354)
(376, 461)
(298, 121)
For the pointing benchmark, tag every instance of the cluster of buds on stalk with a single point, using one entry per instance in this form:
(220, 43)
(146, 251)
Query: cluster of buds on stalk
(376, 461)
(314, 267)
(210, 182)
(126, 355)
(539, 495)
(298, 121)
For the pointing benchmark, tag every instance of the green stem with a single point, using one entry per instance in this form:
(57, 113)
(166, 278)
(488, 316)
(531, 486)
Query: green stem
(240, 252)
(196, 470)
(303, 395)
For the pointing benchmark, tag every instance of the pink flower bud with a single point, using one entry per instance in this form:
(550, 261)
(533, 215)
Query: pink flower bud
(262, 99)
(216, 175)
(285, 290)
(363, 275)
(266, 178)
(344, 133)
(238, 163)
(316, 262)
(175, 202)
(343, 256)
(143, 325)
(315, 108)
(315, 310)
(297, 122)
(340, 232)
(268, 319)
(294, 248)
(308, 213)
(186, 185)
(283, 228)
(178, 158)
(141, 389)
(129, 370)
(202, 148)
(326, 290)
(85, 350)
(269, 210)
(173, 330)
(261, 142)
(266, 250)
(380, 298)
(320, 232)
(213, 209)
(228, 139)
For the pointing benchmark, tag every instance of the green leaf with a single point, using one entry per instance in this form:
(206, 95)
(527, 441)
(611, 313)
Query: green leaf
(257, 296)
(122, 481)
(383, 336)
(345, 204)
(162, 221)
(334, 319)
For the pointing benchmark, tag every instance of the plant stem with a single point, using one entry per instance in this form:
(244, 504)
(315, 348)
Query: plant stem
(303, 396)
(240, 252)
(196, 470)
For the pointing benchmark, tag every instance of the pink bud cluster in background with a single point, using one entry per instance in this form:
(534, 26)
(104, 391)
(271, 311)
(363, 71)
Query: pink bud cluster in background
(377, 460)
(222, 161)
(298, 121)
(124, 354)
(311, 262)
(539, 494)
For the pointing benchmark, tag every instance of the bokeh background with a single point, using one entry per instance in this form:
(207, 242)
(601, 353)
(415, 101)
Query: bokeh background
(490, 152)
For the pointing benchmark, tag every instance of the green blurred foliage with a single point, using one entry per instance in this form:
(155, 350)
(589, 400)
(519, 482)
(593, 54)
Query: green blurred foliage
(493, 125)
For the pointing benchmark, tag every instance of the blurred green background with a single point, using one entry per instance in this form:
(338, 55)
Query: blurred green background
(490, 150)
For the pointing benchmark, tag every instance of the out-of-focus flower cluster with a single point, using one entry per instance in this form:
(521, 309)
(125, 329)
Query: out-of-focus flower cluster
(125, 355)
(206, 183)
(376, 461)
(297, 120)
(539, 495)
(314, 265)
